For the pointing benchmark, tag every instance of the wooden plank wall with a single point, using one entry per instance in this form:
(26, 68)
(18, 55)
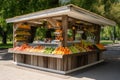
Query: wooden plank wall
(62, 64)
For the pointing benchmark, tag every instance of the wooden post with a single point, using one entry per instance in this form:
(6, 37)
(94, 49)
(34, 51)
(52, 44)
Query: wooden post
(64, 29)
(14, 26)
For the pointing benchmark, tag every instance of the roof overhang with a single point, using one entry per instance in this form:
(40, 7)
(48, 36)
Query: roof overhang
(70, 10)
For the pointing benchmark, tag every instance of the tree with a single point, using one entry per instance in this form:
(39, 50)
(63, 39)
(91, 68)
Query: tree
(107, 33)
(3, 30)
(11, 8)
(115, 13)
(5, 11)
(106, 8)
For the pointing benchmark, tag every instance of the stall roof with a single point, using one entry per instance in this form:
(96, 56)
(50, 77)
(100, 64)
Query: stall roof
(70, 10)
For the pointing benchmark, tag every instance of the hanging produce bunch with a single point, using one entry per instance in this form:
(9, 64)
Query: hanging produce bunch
(24, 26)
(61, 50)
(58, 34)
(22, 32)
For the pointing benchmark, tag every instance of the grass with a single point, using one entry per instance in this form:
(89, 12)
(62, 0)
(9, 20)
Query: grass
(106, 42)
(8, 45)
(2, 46)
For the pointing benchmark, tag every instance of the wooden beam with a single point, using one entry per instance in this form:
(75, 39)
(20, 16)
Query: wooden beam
(14, 29)
(64, 29)
(38, 19)
(52, 22)
(14, 43)
(82, 21)
(34, 22)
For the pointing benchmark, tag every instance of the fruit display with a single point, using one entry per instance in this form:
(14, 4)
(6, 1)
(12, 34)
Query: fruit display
(20, 38)
(58, 35)
(76, 48)
(58, 31)
(85, 43)
(27, 48)
(100, 46)
(15, 48)
(49, 50)
(23, 26)
(73, 49)
(38, 48)
(80, 48)
(21, 48)
(22, 33)
(62, 50)
(85, 46)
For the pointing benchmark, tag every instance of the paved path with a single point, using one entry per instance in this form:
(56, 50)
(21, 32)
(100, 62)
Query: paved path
(4, 55)
(109, 70)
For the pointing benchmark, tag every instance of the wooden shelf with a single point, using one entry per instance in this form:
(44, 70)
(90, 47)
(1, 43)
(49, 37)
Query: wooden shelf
(50, 55)
(22, 35)
(20, 40)
(21, 29)
(35, 53)
(72, 42)
(43, 43)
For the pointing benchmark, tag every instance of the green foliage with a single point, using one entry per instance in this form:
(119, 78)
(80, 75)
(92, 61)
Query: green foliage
(11, 8)
(106, 42)
(106, 33)
(115, 13)
(107, 8)
(40, 33)
(3, 23)
(70, 33)
(6, 46)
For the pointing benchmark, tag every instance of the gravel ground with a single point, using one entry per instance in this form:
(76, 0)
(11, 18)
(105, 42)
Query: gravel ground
(108, 70)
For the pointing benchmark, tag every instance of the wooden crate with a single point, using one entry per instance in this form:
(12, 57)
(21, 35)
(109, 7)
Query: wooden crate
(34, 60)
(52, 63)
(65, 63)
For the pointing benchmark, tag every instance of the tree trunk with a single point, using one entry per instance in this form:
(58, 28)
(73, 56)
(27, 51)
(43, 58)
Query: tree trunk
(3, 34)
(4, 38)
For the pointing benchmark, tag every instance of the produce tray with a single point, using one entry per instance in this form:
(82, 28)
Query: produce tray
(51, 55)
(35, 53)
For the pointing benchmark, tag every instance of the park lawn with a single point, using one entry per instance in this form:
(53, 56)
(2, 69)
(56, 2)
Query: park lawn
(8, 45)
(2, 46)
(106, 42)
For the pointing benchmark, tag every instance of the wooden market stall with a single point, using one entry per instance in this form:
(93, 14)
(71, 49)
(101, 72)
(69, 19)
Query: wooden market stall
(60, 19)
